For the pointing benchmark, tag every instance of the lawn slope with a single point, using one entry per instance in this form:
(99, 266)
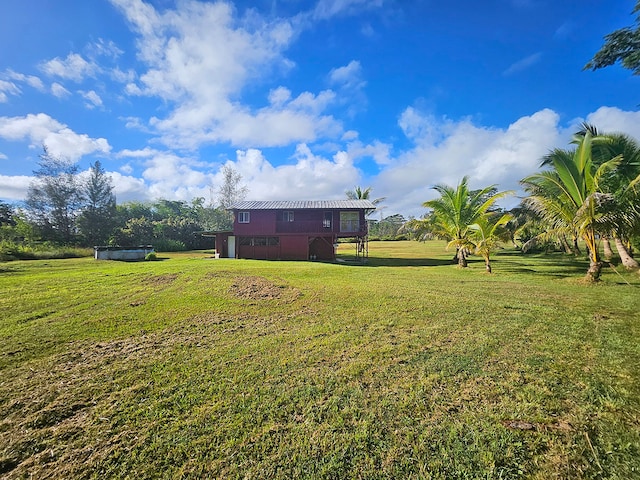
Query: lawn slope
(406, 367)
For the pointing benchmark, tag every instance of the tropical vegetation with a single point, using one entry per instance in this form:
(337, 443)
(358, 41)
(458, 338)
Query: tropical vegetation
(466, 219)
(584, 198)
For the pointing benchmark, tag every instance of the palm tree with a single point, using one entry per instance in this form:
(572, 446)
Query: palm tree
(568, 196)
(621, 182)
(486, 235)
(456, 210)
(359, 194)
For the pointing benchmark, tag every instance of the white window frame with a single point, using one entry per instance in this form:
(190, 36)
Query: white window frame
(244, 217)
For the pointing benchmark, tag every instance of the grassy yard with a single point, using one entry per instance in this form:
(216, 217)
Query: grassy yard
(406, 367)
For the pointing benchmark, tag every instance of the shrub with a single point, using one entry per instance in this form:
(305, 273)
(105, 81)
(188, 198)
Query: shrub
(151, 256)
(169, 245)
(10, 250)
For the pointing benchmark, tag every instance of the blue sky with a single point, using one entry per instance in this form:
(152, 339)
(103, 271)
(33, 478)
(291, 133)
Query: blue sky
(304, 99)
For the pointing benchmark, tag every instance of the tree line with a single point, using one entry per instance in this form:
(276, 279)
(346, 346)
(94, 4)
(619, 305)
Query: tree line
(65, 207)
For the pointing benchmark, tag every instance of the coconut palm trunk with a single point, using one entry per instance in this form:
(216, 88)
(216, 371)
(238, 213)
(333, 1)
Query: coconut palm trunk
(625, 257)
(487, 264)
(595, 263)
(462, 258)
(606, 247)
(565, 245)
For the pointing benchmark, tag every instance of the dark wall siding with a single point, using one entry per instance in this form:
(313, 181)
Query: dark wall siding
(294, 247)
(261, 222)
(265, 222)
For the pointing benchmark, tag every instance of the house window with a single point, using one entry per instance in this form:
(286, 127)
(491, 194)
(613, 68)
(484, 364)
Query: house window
(328, 217)
(243, 217)
(349, 221)
(285, 216)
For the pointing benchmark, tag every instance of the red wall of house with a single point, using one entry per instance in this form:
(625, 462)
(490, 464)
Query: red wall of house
(261, 222)
(294, 247)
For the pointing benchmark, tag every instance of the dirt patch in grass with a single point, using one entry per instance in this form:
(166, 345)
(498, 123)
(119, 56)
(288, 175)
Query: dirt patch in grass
(259, 288)
(160, 280)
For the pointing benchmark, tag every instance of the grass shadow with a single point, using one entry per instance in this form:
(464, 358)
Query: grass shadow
(394, 262)
(553, 265)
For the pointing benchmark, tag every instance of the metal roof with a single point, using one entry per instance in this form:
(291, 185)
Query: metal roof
(302, 204)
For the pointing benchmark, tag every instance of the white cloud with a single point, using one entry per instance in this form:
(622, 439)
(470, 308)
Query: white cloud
(279, 96)
(74, 67)
(349, 135)
(367, 30)
(134, 123)
(105, 48)
(446, 150)
(127, 77)
(379, 151)
(14, 187)
(565, 30)
(523, 64)
(7, 88)
(611, 120)
(93, 99)
(349, 75)
(59, 91)
(144, 153)
(425, 128)
(3, 156)
(30, 80)
(349, 82)
(128, 188)
(326, 9)
(276, 125)
(41, 129)
(200, 57)
(309, 176)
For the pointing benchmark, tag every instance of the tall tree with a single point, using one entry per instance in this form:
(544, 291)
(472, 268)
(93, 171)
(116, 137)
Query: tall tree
(231, 191)
(98, 217)
(622, 46)
(456, 210)
(54, 198)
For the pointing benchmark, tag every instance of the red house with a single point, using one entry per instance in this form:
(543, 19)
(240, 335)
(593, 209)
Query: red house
(294, 230)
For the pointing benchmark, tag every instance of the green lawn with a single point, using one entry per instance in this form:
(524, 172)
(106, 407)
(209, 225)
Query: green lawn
(406, 367)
